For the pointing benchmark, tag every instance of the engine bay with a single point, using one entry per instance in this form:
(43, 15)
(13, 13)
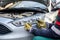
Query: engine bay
(21, 18)
(16, 15)
(30, 19)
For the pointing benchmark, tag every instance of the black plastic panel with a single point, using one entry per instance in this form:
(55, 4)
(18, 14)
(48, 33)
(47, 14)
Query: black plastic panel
(4, 30)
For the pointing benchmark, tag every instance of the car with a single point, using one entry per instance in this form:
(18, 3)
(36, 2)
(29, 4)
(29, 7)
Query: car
(12, 20)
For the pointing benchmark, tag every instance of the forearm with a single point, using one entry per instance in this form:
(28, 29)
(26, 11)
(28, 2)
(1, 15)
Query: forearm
(7, 6)
(1, 8)
(44, 32)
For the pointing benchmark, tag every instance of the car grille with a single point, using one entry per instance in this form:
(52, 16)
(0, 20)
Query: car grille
(4, 30)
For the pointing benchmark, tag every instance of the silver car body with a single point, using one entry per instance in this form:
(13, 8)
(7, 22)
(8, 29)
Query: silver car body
(19, 33)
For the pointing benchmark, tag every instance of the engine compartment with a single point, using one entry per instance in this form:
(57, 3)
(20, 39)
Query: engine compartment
(16, 15)
(17, 26)
(15, 21)
(22, 18)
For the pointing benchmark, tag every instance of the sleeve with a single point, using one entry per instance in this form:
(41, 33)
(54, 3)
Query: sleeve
(45, 33)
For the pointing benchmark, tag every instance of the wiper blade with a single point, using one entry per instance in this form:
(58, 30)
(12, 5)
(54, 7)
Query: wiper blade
(19, 10)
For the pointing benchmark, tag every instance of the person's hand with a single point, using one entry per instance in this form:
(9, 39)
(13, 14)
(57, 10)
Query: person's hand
(41, 24)
(9, 5)
(1, 8)
(28, 26)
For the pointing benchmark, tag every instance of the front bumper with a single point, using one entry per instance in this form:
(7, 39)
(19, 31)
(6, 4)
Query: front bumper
(19, 34)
